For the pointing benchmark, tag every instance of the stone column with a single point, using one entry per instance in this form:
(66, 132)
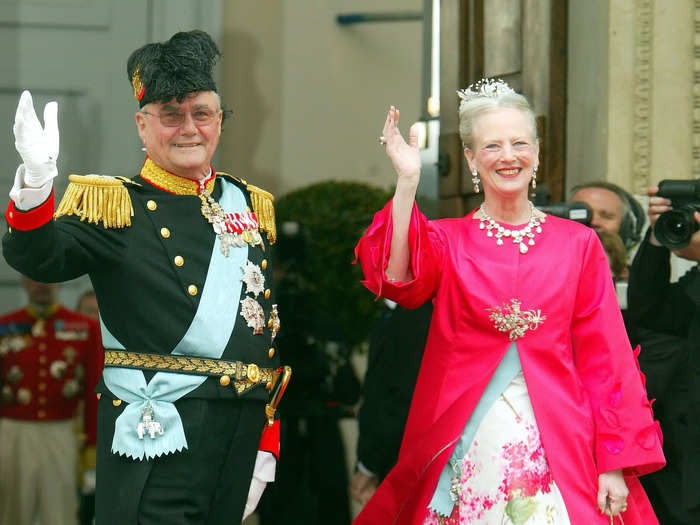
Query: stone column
(634, 84)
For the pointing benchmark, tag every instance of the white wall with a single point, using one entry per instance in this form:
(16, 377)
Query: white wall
(310, 96)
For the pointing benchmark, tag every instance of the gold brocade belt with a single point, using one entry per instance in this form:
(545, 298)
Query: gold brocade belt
(244, 376)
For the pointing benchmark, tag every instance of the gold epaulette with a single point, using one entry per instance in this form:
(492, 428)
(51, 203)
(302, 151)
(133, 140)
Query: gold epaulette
(98, 199)
(264, 209)
(262, 206)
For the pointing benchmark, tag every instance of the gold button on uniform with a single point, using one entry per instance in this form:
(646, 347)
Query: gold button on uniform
(10, 214)
(42, 346)
(267, 293)
(42, 359)
(9, 230)
(224, 380)
(42, 400)
(42, 386)
(165, 233)
(98, 395)
(192, 289)
(151, 205)
(179, 261)
(271, 353)
(116, 402)
(41, 413)
(42, 373)
(263, 264)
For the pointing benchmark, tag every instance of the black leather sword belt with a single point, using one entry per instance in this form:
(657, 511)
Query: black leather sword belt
(244, 376)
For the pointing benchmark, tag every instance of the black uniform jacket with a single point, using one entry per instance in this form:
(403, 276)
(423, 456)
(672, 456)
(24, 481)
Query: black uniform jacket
(675, 308)
(148, 276)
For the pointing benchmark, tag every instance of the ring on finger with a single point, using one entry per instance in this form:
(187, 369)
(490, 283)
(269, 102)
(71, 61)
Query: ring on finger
(382, 140)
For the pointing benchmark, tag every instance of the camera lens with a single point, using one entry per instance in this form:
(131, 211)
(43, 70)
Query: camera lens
(674, 228)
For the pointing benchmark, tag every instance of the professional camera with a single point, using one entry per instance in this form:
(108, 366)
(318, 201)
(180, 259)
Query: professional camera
(576, 211)
(674, 227)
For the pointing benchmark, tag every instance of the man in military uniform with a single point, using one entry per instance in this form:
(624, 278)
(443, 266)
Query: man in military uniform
(179, 259)
(47, 358)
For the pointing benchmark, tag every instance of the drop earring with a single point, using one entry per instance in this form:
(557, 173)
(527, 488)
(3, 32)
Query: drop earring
(534, 178)
(475, 180)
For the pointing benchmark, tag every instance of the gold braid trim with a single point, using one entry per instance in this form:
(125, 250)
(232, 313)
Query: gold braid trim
(97, 199)
(265, 211)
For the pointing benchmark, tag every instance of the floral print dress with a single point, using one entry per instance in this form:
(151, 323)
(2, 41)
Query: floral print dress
(504, 478)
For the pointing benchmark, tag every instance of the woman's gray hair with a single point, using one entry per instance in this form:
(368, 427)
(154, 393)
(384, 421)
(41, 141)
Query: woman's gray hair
(479, 99)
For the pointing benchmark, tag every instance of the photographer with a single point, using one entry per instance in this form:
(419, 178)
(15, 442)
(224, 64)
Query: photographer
(613, 210)
(674, 308)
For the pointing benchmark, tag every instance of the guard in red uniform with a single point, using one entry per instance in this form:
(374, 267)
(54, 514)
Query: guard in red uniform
(48, 363)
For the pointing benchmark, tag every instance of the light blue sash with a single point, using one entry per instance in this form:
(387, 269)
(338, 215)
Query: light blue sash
(507, 370)
(207, 336)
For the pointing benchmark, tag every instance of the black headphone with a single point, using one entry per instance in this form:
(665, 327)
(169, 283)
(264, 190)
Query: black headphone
(633, 216)
(633, 220)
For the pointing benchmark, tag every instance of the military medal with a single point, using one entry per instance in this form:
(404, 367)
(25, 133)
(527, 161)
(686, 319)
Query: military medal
(148, 424)
(17, 343)
(274, 322)
(57, 369)
(70, 353)
(39, 328)
(253, 279)
(7, 396)
(254, 315)
(24, 396)
(233, 229)
(14, 374)
(70, 388)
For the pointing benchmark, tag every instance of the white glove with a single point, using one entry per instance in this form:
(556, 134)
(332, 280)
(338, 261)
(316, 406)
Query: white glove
(263, 473)
(257, 487)
(37, 145)
(89, 481)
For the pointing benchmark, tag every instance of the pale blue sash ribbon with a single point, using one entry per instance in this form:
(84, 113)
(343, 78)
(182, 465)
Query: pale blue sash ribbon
(207, 336)
(508, 368)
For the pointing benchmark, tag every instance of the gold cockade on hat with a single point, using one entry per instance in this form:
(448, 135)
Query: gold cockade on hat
(98, 199)
(137, 84)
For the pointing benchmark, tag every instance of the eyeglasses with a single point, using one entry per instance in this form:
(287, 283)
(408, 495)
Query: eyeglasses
(174, 119)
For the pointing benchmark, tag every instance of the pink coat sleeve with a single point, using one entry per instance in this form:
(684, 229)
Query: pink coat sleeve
(426, 247)
(627, 437)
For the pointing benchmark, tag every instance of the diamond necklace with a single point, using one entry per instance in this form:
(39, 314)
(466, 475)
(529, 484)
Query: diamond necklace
(533, 226)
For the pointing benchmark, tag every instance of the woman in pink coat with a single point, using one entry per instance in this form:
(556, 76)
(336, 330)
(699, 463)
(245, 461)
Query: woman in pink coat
(529, 406)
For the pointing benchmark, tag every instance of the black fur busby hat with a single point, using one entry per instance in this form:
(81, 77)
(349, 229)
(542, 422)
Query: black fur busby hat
(161, 71)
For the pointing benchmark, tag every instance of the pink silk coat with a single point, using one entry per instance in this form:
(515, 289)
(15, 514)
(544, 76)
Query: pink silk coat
(586, 390)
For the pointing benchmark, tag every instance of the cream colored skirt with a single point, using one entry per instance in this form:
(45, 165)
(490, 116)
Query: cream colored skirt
(505, 479)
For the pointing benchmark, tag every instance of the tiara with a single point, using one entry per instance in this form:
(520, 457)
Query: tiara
(485, 88)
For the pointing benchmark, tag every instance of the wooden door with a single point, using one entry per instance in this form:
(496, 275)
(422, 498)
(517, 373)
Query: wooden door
(524, 42)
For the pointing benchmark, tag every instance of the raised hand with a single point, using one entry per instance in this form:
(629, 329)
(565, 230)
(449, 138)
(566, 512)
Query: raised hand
(657, 206)
(37, 145)
(404, 156)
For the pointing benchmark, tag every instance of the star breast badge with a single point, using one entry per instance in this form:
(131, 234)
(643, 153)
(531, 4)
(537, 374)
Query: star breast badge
(253, 278)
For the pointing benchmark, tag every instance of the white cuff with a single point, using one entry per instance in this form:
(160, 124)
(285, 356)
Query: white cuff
(364, 470)
(265, 466)
(28, 198)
